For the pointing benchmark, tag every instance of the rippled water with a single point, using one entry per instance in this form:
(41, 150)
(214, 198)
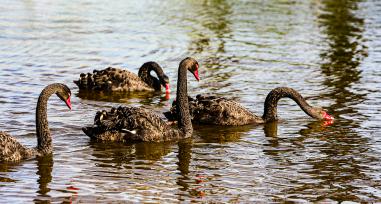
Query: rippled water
(329, 50)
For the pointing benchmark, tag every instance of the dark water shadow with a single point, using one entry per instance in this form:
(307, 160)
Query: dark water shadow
(189, 181)
(44, 172)
(185, 156)
(115, 155)
(4, 168)
(348, 153)
(276, 143)
(221, 134)
(110, 153)
(145, 98)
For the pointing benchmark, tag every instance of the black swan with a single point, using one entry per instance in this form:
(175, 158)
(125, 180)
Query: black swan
(114, 79)
(124, 124)
(11, 150)
(222, 111)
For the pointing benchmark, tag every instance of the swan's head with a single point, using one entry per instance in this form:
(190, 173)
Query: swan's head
(322, 114)
(163, 78)
(64, 94)
(192, 66)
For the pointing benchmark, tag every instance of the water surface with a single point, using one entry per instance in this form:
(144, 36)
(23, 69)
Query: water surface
(328, 50)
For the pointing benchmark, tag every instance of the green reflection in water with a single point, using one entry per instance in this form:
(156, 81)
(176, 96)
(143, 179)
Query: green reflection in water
(344, 54)
(208, 39)
(344, 159)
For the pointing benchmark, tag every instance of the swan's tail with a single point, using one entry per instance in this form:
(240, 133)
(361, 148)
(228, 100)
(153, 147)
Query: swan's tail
(89, 131)
(170, 115)
(98, 80)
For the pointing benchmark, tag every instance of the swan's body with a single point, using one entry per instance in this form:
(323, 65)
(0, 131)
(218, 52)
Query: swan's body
(115, 79)
(11, 150)
(222, 111)
(126, 124)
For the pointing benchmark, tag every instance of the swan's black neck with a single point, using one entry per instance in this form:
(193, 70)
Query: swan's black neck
(144, 74)
(270, 112)
(184, 119)
(44, 139)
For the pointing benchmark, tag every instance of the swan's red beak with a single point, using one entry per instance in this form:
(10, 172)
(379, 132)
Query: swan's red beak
(68, 103)
(195, 73)
(167, 90)
(326, 116)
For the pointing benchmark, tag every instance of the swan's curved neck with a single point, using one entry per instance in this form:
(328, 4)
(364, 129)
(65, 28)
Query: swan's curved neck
(44, 139)
(144, 74)
(184, 119)
(271, 102)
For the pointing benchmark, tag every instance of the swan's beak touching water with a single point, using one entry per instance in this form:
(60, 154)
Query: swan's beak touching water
(167, 90)
(68, 103)
(326, 116)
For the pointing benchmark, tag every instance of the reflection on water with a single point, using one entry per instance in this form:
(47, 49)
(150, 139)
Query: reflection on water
(208, 39)
(125, 97)
(221, 134)
(6, 167)
(118, 153)
(184, 156)
(342, 58)
(327, 50)
(45, 167)
(344, 54)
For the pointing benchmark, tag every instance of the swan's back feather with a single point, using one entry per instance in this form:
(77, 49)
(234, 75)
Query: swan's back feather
(112, 79)
(216, 110)
(126, 124)
(12, 151)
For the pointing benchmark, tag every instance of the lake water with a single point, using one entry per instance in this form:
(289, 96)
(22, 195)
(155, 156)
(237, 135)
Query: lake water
(328, 50)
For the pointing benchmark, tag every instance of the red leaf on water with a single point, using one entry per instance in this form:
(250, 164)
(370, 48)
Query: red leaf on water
(327, 123)
(72, 188)
(201, 194)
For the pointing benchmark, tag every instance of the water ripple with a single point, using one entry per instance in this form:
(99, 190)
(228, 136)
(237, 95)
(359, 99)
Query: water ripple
(327, 50)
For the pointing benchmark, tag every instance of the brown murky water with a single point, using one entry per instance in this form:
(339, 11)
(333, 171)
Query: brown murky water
(329, 50)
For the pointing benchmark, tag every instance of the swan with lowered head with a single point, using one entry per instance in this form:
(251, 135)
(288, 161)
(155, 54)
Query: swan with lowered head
(222, 111)
(114, 79)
